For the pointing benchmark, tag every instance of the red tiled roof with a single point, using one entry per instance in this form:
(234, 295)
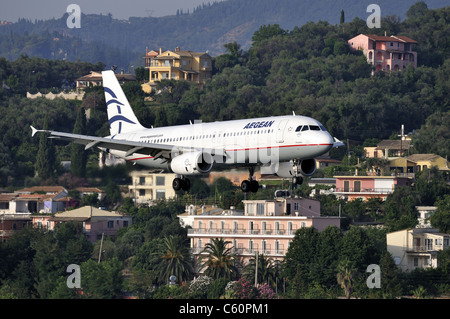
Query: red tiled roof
(392, 38)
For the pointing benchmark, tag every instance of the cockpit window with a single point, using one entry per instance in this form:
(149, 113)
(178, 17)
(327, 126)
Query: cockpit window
(314, 128)
(305, 128)
(322, 128)
(299, 128)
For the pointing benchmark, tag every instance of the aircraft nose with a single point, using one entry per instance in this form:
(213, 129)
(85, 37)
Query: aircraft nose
(326, 140)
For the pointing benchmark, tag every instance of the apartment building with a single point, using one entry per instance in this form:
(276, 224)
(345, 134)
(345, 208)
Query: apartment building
(365, 187)
(146, 186)
(416, 247)
(178, 65)
(386, 53)
(265, 227)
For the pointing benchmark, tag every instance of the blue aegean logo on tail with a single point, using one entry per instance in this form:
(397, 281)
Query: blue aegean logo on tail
(118, 104)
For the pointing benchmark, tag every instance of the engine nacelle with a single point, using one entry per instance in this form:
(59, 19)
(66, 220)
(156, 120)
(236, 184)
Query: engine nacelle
(192, 163)
(307, 167)
(286, 169)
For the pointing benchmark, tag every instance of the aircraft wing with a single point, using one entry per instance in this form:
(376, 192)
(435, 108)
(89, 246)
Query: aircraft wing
(156, 150)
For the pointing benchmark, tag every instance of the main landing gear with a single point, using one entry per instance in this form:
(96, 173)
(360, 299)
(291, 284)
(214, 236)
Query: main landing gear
(250, 185)
(181, 183)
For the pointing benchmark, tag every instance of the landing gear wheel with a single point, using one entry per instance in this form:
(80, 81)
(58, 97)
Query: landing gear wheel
(254, 186)
(245, 186)
(298, 180)
(181, 183)
(186, 184)
(177, 183)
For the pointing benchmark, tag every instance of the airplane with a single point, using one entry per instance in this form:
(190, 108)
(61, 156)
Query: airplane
(281, 145)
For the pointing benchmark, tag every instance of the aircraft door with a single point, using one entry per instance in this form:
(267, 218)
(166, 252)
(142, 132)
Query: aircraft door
(280, 131)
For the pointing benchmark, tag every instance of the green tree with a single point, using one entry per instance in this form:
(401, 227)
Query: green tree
(299, 266)
(342, 18)
(46, 156)
(400, 209)
(441, 217)
(78, 155)
(219, 261)
(267, 270)
(266, 32)
(102, 280)
(346, 276)
(430, 185)
(390, 277)
(175, 259)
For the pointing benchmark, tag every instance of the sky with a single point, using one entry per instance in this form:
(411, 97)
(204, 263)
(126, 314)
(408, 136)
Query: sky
(11, 10)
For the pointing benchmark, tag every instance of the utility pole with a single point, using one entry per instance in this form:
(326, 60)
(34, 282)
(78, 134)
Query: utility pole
(256, 270)
(100, 251)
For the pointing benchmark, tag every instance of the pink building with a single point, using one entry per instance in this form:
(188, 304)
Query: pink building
(365, 187)
(386, 53)
(265, 227)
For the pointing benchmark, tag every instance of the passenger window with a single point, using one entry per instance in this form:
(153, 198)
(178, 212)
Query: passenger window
(305, 128)
(299, 128)
(314, 128)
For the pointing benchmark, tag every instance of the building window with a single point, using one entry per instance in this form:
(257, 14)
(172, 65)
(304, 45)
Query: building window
(141, 180)
(110, 224)
(250, 246)
(296, 207)
(142, 192)
(125, 223)
(290, 229)
(160, 194)
(160, 180)
(260, 209)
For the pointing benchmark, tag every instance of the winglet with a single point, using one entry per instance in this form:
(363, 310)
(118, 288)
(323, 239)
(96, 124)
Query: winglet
(337, 143)
(33, 130)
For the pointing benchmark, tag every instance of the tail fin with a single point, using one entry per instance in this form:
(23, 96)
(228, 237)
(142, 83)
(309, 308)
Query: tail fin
(120, 114)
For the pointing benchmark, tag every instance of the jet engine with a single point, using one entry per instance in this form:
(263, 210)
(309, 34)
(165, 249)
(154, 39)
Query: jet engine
(307, 167)
(286, 169)
(192, 163)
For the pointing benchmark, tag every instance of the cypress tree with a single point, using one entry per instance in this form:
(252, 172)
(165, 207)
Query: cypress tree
(45, 159)
(78, 156)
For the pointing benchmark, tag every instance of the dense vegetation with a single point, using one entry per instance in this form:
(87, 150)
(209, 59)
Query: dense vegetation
(309, 70)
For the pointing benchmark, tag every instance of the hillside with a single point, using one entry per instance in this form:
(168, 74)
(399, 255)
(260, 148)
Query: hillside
(207, 28)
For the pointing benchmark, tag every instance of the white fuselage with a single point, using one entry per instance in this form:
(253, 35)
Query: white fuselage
(245, 142)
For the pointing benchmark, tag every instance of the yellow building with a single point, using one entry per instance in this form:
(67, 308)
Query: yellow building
(424, 161)
(146, 187)
(418, 162)
(178, 65)
(416, 247)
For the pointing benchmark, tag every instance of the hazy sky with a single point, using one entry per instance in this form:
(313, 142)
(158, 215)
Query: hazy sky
(11, 10)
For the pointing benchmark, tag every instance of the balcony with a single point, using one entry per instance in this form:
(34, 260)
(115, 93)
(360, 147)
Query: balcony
(241, 232)
(352, 190)
(246, 251)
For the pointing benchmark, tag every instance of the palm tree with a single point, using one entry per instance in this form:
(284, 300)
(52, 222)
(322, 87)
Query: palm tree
(267, 271)
(175, 259)
(346, 271)
(219, 261)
